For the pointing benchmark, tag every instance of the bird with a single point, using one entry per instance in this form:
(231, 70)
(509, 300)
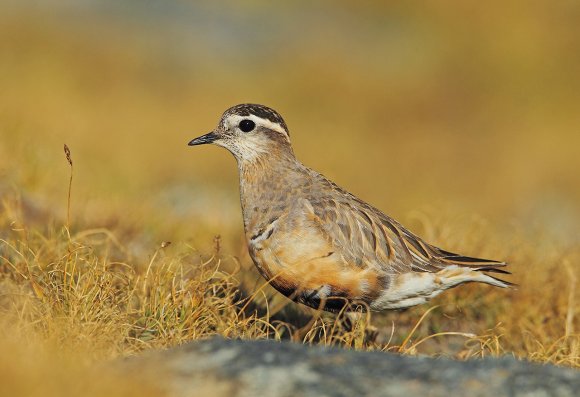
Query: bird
(320, 245)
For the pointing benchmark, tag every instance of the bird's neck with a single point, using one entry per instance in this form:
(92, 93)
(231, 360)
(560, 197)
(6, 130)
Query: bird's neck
(265, 186)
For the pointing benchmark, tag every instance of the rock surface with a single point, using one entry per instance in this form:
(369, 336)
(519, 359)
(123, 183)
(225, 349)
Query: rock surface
(220, 367)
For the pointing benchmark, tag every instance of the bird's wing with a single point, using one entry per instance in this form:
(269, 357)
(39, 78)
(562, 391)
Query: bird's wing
(365, 239)
(368, 238)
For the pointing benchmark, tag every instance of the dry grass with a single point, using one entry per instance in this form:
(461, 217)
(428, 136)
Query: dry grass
(479, 121)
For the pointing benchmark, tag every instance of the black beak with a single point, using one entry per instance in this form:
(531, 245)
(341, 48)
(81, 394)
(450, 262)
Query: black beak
(207, 138)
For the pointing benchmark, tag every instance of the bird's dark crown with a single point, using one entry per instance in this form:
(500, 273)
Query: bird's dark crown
(264, 112)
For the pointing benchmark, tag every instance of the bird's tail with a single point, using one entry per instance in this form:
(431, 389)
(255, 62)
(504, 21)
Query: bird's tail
(479, 267)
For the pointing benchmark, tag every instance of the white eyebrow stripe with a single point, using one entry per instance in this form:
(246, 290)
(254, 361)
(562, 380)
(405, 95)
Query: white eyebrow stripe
(235, 119)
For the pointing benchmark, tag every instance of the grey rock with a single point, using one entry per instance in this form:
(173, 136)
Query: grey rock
(220, 367)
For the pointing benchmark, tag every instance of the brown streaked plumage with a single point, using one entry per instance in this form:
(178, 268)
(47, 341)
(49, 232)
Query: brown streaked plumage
(320, 245)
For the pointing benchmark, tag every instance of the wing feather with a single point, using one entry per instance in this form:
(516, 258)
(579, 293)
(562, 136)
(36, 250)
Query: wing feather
(364, 236)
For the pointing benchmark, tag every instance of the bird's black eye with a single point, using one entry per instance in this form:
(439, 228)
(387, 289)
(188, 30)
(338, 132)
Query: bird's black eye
(247, 125)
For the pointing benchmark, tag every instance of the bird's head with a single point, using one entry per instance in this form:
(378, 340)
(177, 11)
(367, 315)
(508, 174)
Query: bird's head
(250, 132)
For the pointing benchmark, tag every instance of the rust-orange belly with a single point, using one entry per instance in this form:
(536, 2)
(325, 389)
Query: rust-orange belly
(318, 277)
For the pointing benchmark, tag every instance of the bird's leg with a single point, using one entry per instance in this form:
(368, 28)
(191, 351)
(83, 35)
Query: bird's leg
(356, 320)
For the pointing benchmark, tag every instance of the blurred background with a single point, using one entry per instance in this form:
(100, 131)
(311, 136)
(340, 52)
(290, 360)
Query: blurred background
(441, 114)
(425, 106)
(460, 119)
(465, 105)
